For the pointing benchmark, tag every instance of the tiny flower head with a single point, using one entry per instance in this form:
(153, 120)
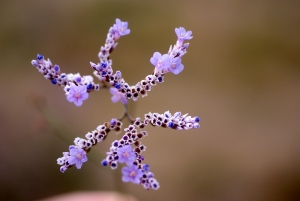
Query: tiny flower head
(77, 157)
(176, 66)
(113, 122)
(117, 96)
(132, 173)
(77, 94)
(40, 57)
(56, 68)
(182, 34)
(126, 155)
(120, 28)
(161, 61)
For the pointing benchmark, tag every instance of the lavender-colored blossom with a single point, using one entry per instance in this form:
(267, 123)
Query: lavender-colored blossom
(132, 173)
(182, 34)
(117, 96)
(56, 68)
(113, 121)
(120, 28)
(176, 66)
(161, 61)
(126, 155)
(77, 94)
(77, 156)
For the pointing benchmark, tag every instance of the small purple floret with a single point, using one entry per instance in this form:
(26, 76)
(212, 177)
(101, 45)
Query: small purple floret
(171, 125)
(113, 121)
(126, 155)
(146, 167)
(120, 28)
(78, 79)
(141, 157)
(117, 96)
(103, 64)
(40, 57)
(89, 87)
(56, 68)
(77, 157)
(77, 94)
(161, 61)
(117, 85)
(182, 34)
(176, 66)
(132, 174)
(54, 81)
(104, 162)
(63, 169)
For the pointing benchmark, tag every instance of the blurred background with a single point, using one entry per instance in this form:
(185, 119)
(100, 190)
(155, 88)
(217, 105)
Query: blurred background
(241, 77)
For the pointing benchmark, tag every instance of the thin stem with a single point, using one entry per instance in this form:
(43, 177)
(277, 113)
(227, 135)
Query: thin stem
(126, 114)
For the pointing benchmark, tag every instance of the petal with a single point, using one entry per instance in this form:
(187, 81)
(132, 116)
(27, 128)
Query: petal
(157, 55)
(121, 159)
(176, 60)
(78, 164)
(136, 180)
(113, 90)
(70, 97)
(125, 25)
(118, 21)
(126, 31)
(166, 58)
(81, 89)
(124, 100)
(178, 69)
(115, 27)
(125, 170)
(73, 88)
(189, 33)
(115, 98)
(125, 178)
(72, 160)
(177, 31)
(84, 158)
(78, 102)
(73, 151)
(84, 96)
(153, 61)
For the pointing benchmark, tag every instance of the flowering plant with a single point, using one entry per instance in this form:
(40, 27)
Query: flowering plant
(129, 148)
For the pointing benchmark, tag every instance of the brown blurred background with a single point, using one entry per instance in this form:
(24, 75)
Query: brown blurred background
(241, 77)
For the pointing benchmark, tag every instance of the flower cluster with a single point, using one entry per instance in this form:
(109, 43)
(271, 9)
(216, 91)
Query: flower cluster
(127, 150)
(82, 146)
(170, 62)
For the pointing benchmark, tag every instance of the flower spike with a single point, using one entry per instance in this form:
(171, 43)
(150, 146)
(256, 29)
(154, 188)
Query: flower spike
(129, 148)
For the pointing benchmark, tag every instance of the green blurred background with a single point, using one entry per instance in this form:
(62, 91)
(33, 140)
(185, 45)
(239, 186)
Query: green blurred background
(241, 77)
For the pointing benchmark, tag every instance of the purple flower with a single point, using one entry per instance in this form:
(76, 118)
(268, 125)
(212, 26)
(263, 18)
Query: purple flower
(113, 122)
(120, 28)
(182, 34)
(132, 173)
(77, 94)
(77, 156)
(126, 155)
(176, 66)
(117, 96)
(161, 61)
